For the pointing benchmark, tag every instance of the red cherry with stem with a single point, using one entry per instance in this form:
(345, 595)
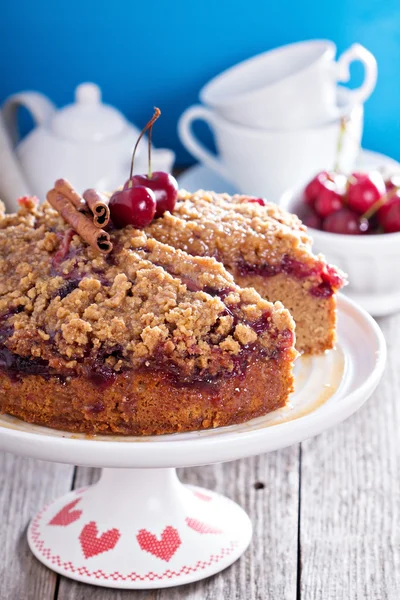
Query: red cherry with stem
(134, 206)
(343, 221)
(389, 215)
(315, 187)
(382, 206)
(164, 185)
(379, 207)
(364, 190)
(384, 203)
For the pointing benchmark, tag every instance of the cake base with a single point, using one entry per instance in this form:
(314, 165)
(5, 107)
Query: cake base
(139, 529)
(148, 403)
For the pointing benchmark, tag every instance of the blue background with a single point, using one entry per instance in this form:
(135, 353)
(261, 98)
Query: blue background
(161, 53)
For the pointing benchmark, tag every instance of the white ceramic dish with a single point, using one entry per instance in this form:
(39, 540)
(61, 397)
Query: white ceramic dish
(141, 528)
(371, 263)
(291, 87)
(265, 162)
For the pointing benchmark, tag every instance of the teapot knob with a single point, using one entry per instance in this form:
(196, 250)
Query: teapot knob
(88, 93)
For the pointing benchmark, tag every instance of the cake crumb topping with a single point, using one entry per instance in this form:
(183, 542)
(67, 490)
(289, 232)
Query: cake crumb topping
(244, 235)
(144, 304)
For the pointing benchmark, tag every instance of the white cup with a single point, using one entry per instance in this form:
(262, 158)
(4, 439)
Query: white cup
(266, 163)
(291, 87)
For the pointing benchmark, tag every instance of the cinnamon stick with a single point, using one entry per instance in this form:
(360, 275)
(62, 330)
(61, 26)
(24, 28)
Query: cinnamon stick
(97, 238)
(64, 187)
(98, 204)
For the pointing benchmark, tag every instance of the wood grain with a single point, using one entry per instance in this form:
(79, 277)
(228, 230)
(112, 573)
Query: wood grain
(26, 485)
(350, 497)
(268, 569)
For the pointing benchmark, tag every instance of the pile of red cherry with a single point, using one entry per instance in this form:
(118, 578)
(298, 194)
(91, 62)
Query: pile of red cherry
(361, 203)
(143, 197)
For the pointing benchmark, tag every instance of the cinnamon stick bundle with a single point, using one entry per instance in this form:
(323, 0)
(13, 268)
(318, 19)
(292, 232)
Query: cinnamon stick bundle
(92, 203)
(97, 238)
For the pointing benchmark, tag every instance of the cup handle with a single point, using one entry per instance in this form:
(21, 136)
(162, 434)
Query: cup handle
(191, 143)
(358, 52)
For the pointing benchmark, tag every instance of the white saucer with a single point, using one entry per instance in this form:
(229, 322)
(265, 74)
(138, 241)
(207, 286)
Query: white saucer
(201, 177)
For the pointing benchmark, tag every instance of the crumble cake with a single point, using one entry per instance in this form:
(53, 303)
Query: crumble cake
(263, 247)
(145, 339)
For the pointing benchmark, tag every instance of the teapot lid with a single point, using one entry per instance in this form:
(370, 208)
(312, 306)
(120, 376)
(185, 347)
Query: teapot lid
(88, 119)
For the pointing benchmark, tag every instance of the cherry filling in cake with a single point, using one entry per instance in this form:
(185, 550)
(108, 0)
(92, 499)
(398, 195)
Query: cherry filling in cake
(331, 280)
(145, 340)
(263, 247)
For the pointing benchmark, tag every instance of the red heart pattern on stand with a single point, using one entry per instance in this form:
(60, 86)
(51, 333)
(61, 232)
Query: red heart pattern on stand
(66, 515)
(92, 543)
(179, 539)
(201, 527)
(163, 548)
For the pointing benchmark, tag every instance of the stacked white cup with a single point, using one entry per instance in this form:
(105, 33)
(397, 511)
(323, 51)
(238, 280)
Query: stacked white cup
(281, 116)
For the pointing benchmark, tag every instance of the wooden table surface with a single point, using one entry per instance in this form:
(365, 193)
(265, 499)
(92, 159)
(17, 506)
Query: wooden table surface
(326, 514)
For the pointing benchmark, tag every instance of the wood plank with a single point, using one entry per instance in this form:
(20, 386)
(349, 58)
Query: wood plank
(26, 485)
(268, 569)
(350, 497)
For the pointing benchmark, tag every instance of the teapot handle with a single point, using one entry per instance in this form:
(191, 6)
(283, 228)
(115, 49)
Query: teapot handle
(40, 107)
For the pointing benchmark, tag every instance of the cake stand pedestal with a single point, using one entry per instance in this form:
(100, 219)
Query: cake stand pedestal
(139, 527)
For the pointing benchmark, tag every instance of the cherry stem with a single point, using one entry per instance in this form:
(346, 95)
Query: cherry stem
(342, 131)
(157, 113)
(149, 173)
(379, 203)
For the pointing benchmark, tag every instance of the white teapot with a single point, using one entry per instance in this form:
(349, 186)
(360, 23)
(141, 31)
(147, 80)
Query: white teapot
(87, 142)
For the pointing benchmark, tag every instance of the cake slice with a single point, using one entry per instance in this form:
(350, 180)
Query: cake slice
(144, 340)
(263, 247)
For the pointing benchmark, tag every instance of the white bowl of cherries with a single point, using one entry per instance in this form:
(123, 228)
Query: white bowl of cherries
(354, 221)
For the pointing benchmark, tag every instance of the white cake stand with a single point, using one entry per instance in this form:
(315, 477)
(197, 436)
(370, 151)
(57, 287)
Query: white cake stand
(139, 527)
